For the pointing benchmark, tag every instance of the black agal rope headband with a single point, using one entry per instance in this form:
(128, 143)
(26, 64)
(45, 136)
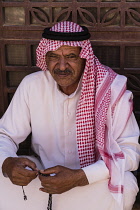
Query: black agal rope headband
(67, 36)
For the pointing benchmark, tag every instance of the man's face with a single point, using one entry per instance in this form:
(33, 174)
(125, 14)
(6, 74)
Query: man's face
(66, 67)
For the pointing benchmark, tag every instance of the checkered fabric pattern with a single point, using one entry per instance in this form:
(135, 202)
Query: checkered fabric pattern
(93, 103)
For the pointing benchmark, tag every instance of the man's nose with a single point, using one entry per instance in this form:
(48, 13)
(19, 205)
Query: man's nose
(62, 63)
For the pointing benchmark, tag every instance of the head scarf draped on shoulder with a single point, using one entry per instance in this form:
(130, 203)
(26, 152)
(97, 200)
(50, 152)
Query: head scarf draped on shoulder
(94, 101)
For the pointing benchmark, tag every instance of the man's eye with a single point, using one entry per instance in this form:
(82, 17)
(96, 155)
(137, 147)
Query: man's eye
(72, 57)
(53, 57)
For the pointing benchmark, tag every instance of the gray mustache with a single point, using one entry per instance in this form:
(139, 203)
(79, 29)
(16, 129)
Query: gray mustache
(66, 71)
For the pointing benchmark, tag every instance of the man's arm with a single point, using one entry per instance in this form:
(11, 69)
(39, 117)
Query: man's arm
(125, 133)
(15, 123)
(14, 128)
(128, 142)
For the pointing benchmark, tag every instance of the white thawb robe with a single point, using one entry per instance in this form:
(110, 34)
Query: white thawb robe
(41, 108)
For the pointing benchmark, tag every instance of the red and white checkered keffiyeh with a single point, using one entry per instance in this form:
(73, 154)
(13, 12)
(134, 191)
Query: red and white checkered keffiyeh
(93, 105)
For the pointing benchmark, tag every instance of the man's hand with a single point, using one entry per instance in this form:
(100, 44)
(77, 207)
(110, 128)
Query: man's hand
(63, 180)
(14, 168)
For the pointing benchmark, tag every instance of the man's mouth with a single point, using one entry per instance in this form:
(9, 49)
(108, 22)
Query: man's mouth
(64, 73)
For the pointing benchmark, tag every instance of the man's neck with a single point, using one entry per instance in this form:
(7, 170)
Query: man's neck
(68, 90)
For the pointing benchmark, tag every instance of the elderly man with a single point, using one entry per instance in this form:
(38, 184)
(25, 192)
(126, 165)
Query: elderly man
(83, 131)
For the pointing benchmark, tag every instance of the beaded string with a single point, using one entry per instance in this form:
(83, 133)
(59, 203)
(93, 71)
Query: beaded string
(49, 202)
(24, 195)
(49, 207)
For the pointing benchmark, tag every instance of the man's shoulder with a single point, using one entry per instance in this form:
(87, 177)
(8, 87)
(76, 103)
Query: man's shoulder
(120, 79)
(34, 76)
(37, 79)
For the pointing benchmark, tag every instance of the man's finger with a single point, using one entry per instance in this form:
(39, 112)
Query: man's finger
(25, 162)
(27, 173)
(52, 170)
(44, 190)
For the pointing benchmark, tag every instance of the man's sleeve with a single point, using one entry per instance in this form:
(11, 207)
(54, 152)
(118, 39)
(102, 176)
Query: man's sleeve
(15, 124)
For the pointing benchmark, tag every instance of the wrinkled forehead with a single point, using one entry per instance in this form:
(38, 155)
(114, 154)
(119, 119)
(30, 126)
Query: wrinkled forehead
(66, 49)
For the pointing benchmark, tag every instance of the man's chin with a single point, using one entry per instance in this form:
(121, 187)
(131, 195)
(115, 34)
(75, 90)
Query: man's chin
(63, 80)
